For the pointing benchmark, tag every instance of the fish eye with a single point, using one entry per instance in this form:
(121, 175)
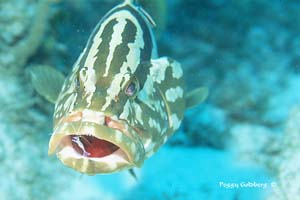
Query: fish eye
(132, 87)
(77, 82)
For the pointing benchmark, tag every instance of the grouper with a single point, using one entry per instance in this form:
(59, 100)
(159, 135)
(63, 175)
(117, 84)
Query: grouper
(121, 102)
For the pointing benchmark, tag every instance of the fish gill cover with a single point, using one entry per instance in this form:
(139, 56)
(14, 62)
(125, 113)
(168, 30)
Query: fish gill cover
(241, 143)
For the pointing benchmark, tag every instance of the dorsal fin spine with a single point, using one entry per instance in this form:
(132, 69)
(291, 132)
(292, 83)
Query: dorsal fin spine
(130, 1)
(148, 17)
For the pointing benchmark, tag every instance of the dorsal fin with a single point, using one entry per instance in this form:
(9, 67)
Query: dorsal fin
(158, 10)
(139, 5)
(148, 17)
(154, 11)
(130, 1)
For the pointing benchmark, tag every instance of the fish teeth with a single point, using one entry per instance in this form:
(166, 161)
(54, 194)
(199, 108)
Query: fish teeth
(76, 139)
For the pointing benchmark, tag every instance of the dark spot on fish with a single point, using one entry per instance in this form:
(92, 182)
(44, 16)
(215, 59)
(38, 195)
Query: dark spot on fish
(131, 89)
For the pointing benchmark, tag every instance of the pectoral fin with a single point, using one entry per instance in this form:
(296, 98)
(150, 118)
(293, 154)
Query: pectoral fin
(132, 173)
(47, 81)
(196, 97)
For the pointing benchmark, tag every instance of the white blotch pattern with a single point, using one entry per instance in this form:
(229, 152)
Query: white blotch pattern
(132, 58)
(158, 69)
(158, 108)
(118, 137)
(138, 113)
(165, 139)
(89, 80)
(147, 143)
(177, 70)
(173, 94)
(69, 103)
(71, 88)
(89, 76)
(126, 110)
(175, 122)
(154, 124)
(149, 148)
(116, 40)
(146, 93)
(93, 116)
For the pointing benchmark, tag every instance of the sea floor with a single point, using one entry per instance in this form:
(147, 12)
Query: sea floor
(181, 174)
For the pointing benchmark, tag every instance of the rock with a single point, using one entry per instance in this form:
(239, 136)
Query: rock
(205, 125)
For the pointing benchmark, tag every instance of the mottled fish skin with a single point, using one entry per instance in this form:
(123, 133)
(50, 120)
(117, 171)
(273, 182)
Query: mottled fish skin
(121, 50)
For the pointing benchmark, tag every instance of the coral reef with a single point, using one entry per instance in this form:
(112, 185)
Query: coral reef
(288, 178)
(22, 33)
(277, 152)
(25, 119)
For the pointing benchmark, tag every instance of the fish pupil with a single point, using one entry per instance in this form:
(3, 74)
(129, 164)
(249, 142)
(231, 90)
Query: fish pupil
(131, 89)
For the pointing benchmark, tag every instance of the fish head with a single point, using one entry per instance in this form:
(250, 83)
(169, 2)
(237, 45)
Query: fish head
(98, 127)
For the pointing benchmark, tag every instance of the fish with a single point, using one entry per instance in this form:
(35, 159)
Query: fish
(121, 102)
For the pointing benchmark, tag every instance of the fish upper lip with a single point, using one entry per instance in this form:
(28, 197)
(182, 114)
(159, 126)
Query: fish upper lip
(100, 119)
(83, 119)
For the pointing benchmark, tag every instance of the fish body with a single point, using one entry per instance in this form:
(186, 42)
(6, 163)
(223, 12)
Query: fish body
(121, 102)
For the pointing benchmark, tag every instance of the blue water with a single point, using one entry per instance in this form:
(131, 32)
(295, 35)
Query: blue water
(233, 146)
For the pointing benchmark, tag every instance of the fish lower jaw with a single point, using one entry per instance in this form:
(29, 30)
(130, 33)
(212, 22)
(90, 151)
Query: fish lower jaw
(92, 148)
(113, 162)
(78, 152)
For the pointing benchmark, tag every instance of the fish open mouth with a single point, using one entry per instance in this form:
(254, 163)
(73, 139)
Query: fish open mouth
(90, 146)
(92, 143)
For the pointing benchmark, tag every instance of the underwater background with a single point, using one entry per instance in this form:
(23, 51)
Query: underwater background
(242, 143)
